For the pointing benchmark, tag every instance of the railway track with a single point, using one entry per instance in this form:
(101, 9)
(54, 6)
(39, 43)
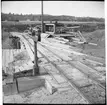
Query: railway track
(72, 81)
(93, 91)
(73, 64)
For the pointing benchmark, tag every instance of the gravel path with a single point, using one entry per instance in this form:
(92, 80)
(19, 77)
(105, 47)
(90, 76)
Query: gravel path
(41, 95)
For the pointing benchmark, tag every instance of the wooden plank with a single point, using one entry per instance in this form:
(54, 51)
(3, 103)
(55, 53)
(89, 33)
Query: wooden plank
(27, 67)
(6, 57)
(60, 45)
(84, 82)
(3, 58)
(18, 51)
(10, 89)
(99, 68)
(64, 56)
(21, 68)
(28, 49)
(94, 63)
(48, 54)
(44, 35)
(29, 38)
(14, 53)
(56, 43)
(72, 72)
(98, 59)
(49, 87)
(39, 55)
(34, 38)
(63, 49)
(92, 74)
(9, 79)
(30, 63)
(17, 69)
(59, 78)
(22, 45)
(62, 39)
(26, 45)
(11, 55)
(30, 41)
(28, 83)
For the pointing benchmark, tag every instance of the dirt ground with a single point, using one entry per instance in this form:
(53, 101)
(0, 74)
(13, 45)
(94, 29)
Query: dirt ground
(97, 37)
(42, 96)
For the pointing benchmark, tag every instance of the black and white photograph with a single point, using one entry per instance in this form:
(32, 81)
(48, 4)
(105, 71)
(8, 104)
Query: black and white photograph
(53, 52)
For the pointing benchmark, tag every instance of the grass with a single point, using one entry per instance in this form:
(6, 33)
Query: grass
(39, 22)
(22, 25)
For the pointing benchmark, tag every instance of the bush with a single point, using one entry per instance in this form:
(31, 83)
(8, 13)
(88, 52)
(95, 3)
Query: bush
(17, 28)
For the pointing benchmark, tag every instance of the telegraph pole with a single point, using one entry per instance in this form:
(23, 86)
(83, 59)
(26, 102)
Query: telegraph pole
(42, 16)
(35, 67)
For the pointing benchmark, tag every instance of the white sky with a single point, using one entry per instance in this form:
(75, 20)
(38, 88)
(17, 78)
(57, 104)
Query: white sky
(72, 8)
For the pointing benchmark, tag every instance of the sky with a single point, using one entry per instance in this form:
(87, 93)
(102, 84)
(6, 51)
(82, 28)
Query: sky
(72, 8)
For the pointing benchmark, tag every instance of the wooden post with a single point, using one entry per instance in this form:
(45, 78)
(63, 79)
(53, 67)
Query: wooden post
(42, 17)
(35, 67)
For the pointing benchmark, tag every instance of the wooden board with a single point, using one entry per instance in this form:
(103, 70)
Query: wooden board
(87, 70)
(25, 83)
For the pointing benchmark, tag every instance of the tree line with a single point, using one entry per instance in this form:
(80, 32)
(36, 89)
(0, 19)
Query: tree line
(32, 17)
